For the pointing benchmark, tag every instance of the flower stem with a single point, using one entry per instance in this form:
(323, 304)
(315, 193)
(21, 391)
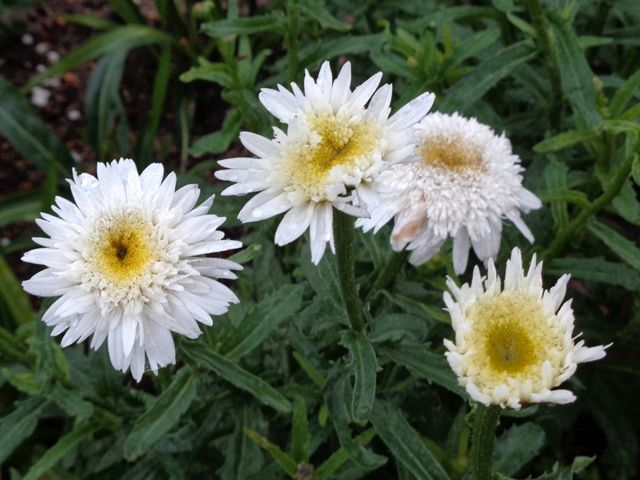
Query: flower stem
(482, 440)
(343, 236)
(292, 40)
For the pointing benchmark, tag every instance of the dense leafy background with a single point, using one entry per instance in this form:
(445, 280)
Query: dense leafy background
(279, 387)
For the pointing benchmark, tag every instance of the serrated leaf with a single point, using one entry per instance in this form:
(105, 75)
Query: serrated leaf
(405, 443)
(19, 425)
(28, 134)
(318, 11)
(364, 366)
(427, 365)
(622, 247)
(340, 456)
(564, 140)
(483, 77)
(243, 457)
(344, 45)
(285, 461)
(237, 376)
(64, 446)
(217, 72)
(575, 75)
(517, 447)
(471, 47)
(163, 414)
(268, 315)
(70, 401)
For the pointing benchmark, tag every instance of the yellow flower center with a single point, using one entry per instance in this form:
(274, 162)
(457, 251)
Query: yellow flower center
(511, 337)
(450, 153)
(124, 250)
(340, 144)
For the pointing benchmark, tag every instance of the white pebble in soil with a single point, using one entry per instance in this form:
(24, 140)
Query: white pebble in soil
(74, 115)
(27, 39)
(42, 48)
(52, 56)
(40, 96)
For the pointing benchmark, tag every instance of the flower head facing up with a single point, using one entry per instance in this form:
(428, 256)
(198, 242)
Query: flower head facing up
(128, 263)
(514, 344)
(330, 155)
(466, 181)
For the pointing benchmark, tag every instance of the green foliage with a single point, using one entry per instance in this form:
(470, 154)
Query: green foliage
(280, 387)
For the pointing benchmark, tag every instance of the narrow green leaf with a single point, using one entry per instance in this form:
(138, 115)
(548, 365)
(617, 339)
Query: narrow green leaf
(405, 443)
(19, 425)
(517, 447)
(13, 296)
(163, 414)
(596, 270)
(64, 446)
(315, 376)
(575, 75)
(260, 324)
(425, 364)
(90, 21)
(217, 72)
(125, 37)
(237, 376)
(29, 135)
(287, 463)
(555, 177)
(327, 469)
(624, 94)
(244, 25)
(622, 247)
(126, 10)
(486, 75)
(343, 45)
(364, 365)
(317, 10)
(300, 436)
(70, 401)
(567, 472)
(564, 140)
(20, 208)
(243, 458)
(471, 47)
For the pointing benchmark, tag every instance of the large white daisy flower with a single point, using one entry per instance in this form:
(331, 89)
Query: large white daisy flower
(466, 181)
(128, 263)
(330, 155)
(514, 344)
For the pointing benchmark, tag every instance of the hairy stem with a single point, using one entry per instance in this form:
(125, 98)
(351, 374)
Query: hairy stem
(482, 440)
(343, 233)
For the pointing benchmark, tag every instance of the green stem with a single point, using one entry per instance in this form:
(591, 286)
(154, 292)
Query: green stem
(343, 235)
(610, 192)
(482, 440)
(536, 13)
(292, 41)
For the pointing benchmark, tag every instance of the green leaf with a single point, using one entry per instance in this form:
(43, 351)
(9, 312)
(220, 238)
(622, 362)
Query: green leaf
(364, 365)
(300, 436)
(218, 72)
(517, 447)
(471, 47)
(315, 376)
(287, 463)
(635, 169)
(327, 469)
(90, 21)
(260, 324)
(244, 25)
(29, 135)
(564, 140)
(405, 443)
(575, 75)
(344, 45)
(70, 401)
(317, 10)
(486, 75)
(243, 458)
(567, 472)
(163, 414)
(624, 94)
(126, 10)
(120, 38)
(103, 103)
(625, 249)
(237, 376)
(19, 425)
(219, 141)
(63, 447)
(13, 296)
(425, 364)
(20, 207)
(555, 177)
(596, 270)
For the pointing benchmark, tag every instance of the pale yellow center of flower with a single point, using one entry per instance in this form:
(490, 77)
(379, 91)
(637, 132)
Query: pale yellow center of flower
(511, 336)
(450, 153)
(124, 250)
(339, 145)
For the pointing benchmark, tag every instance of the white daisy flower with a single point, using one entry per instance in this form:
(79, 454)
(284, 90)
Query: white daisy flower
(514, 344)
(465, 183)
(128, 263)
(330, 155)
